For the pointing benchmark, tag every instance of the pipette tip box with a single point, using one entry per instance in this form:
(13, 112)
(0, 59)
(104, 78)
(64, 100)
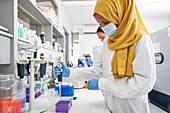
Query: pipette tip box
(66, 90)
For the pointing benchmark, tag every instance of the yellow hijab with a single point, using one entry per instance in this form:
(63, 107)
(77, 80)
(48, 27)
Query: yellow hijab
(130, 30)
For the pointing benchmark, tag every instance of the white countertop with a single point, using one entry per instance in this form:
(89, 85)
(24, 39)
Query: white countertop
(88, 101)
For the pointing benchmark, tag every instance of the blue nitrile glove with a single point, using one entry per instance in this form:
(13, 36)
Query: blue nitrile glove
(93, 84)
(65, 70)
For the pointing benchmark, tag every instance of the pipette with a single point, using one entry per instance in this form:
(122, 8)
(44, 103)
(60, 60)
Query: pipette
(59, 77)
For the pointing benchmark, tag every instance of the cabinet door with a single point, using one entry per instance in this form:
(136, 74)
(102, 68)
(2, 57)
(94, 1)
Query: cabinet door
(5, 50)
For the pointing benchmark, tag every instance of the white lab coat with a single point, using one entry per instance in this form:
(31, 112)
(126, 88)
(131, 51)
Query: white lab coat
(125, 95)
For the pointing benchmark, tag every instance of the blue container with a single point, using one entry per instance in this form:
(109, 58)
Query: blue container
(66, 90)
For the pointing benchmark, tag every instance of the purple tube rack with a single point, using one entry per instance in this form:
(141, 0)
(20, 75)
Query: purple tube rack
(28, 90)
(63, 106)
(36, 95)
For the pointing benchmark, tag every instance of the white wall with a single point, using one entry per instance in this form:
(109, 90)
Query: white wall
(76, 53)
(87, 41)
(64, 21)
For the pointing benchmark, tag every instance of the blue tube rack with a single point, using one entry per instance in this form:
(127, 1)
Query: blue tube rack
(66, 90)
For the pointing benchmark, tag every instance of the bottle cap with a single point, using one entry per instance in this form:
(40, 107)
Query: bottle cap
(43, 33)
(74, 98)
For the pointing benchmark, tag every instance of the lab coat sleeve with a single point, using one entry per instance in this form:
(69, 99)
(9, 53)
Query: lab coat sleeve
(87, 73)
(144, 70)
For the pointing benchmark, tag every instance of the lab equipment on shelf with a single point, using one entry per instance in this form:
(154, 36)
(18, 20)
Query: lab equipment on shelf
(26, 34)
(42, 36)
(50, 14)
(32, 61)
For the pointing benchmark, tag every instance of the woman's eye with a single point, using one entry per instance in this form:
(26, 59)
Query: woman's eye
(106, 22)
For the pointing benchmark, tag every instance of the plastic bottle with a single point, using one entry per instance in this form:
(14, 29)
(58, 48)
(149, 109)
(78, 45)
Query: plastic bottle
(59, 47)
(38, 41)
(42, 36)
(21, 30)
(24, 35)
(33, 36)
(30, 34)
(18, 25)
(21, 54)
(27, 35)
(53, 40)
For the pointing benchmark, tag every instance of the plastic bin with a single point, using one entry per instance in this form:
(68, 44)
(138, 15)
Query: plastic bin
(66, 90)
(36, 96)
(53, 99)
(10, 106)
(21, 96)
(6, 76)
(63, 106)
(7, 88)
(21, 85)
(37, 93)
(47, 11)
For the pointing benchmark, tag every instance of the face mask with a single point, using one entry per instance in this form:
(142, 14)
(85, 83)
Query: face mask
(109, 29)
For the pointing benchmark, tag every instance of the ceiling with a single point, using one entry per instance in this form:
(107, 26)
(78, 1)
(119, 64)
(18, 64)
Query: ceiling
(80, 12)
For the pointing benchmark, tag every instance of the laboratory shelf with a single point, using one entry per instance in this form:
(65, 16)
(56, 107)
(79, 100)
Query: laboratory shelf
(55, 30)
(25, 41)
(34, 11)
(51, 49)
(41, 46)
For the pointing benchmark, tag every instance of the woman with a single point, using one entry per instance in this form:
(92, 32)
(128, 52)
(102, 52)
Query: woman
(132, 64)
(126, 72)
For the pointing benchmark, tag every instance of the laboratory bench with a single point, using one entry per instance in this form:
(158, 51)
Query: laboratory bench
(88, 101)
